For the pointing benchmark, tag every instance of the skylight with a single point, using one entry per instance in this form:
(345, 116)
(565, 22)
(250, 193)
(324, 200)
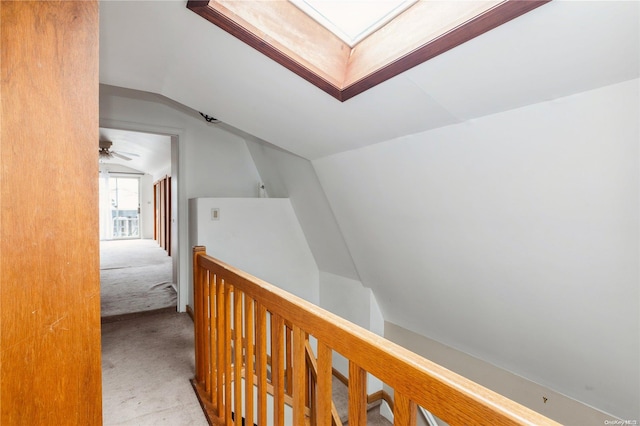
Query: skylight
(353, 20)
(385, 37)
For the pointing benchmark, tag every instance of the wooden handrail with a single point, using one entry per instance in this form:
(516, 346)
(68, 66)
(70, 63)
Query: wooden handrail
(415, 380)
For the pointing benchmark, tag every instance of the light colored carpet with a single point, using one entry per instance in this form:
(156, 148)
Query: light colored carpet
(340, 395)
(135, 276)
(146, 366)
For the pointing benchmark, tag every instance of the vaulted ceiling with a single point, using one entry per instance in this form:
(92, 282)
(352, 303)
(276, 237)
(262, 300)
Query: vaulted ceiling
(162, 47)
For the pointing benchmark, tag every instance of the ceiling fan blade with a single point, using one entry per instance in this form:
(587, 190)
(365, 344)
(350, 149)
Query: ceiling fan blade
(123, 157)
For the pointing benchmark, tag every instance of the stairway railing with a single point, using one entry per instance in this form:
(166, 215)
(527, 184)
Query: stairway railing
(254, 358)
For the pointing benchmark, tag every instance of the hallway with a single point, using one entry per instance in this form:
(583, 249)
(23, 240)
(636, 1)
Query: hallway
(147, 362)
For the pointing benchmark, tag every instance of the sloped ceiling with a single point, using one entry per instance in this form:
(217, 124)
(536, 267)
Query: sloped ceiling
(164, 48)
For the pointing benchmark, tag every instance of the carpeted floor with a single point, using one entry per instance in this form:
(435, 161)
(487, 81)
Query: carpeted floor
(135, 276)
(147, 362)
(340, 395)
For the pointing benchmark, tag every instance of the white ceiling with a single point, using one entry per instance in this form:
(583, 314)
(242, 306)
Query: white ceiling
(149, 153)
(561, 48)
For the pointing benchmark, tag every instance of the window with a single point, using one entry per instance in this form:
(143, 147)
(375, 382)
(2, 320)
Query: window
(353, 20)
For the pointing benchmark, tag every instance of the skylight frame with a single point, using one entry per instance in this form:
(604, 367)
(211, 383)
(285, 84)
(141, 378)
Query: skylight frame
(321, 18)
(320, 57)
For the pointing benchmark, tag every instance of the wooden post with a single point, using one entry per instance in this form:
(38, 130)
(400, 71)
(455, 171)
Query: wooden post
(357, 395)
(277, 368)
(324, 384)
(198, 306)
(299, 375)
(237, 354)
(224, 341)
(209, 336)
(248, 354)
(261, 361)
(404, 411)
(50, 363)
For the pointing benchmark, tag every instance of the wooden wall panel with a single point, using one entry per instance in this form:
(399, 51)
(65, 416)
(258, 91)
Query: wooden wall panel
(50, 372)
(167, 221)
(162, 208)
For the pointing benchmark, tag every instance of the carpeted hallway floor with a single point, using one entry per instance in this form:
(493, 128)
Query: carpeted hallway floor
(147, 362)
(135, 276)
(147, 348)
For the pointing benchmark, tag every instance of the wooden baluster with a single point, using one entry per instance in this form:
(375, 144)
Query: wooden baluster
(404, 411)
(313, 408)
(228, 379)
(308, 380)
(277, 368)
(212, 339)
(324, 393)
(310, 383)
(220, 345)
(299, 371)
(237, 352)
(312, 370)
(198, 322)
(357, 395)
(288, 372)
(248, 358)
(261, 362)
(205, 331)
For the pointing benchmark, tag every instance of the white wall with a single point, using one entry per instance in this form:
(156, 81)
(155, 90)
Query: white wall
(261, 236)
(352, 301)
(512, 237)
(287, 175)
(217, 162)
(211, 162)
(556, 406)
(341, 292)
(347, 298)
(146, 206)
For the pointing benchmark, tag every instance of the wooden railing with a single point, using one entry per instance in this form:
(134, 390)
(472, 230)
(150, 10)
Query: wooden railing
(254, 356)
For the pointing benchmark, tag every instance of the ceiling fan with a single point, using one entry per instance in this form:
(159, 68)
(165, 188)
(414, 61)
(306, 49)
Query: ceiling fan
(105, 152)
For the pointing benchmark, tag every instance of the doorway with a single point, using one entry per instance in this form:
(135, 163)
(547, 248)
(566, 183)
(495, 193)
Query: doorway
(137, 273)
